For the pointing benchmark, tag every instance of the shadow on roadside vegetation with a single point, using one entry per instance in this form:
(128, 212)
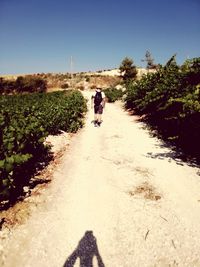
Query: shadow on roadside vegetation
(177, 152)
(179, 157)
(26, 178)
(183, 151)
(86, 250)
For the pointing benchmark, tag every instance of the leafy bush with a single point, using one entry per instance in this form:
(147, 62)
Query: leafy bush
(28, 84)
(128, 70)
(64, 86)
(170, 99)
(113, 94)
(25, 121)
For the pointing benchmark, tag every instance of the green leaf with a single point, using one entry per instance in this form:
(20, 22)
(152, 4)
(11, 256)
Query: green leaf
(2, 163)
(8, 167)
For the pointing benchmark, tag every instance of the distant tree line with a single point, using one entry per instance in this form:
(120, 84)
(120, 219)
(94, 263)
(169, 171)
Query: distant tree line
(26, 84)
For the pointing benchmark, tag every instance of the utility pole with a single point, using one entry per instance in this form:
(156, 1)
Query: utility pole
(71, 66)
(71, 72)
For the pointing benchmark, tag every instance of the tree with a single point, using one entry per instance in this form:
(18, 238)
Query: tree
(171, 63)
(128, 70)
(150, 61)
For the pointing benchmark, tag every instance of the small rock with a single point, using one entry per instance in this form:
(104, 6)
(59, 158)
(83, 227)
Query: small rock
(157, 197)
(26, 189)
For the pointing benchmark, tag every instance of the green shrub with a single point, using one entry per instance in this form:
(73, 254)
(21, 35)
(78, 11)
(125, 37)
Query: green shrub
(170, 99)
(113, 94)
(26, 84)
(128, 70)
(25, 121)
(64, 86)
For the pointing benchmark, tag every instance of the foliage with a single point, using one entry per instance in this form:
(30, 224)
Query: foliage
(64, 86)
(25, 121)
(170, 99)
(128, 70)
(113, 94)
(150, 61)
(28, 84)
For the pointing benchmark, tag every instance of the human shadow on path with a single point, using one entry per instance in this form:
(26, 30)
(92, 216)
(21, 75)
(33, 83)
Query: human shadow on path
(86, 250)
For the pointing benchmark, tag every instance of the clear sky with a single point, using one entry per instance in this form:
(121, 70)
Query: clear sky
(42, 35)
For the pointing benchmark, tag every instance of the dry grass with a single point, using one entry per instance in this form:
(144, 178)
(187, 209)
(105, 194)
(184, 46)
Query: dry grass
(104, 81)
(147, 191)
(145, 172)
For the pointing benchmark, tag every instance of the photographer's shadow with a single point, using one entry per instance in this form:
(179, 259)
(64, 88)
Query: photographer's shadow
(86, 250)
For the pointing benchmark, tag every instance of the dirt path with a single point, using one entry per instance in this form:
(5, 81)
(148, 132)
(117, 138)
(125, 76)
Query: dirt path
(142, 206)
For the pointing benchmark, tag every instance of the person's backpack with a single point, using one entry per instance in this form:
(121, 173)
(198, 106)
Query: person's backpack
(98, 98)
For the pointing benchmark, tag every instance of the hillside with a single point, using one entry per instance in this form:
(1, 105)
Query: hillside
(81, 80)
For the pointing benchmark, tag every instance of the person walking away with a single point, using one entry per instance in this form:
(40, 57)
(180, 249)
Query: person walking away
(98, 100)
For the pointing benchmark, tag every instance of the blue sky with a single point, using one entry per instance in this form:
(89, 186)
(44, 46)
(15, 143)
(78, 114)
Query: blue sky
(42, 35)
